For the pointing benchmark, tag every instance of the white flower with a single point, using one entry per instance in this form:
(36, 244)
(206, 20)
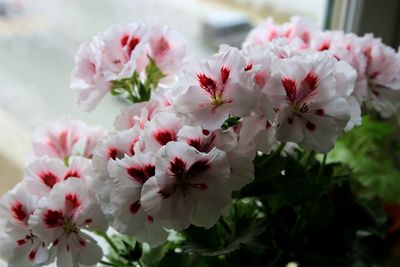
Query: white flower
(64, 138)
(313, 98)
(44, 173)
(123, 45)
(215, 89)
(188, 186)
(168, 49)
(87, 77)
(129, 175)
(18, 245)
(113, 147)
(136, 114)
(59, 218)
(162, 129)
(201, 139)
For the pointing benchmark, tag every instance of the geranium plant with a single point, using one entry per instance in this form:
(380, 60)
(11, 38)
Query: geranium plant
(215, 162)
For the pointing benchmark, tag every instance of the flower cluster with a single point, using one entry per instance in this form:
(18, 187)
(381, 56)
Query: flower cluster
(191, 134)
(49, 212)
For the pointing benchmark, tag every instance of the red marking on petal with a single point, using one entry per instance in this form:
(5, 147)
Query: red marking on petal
(290, 88)
(81, 242)
(68, 248)
(32, 255)
(305, 36)
(268, 125)
(205, 132)
(72, 201)
(276, 110)
(112, 153)
(163, 194)
(161, 47)
(53, 218)
(208, 84)
(196, 143)
(374, 75)
(72, 173)
(197, 167)
(290, 120)
(310, 81)
(150, 219)
(199, 186)
(49, 178)
(324, 46)
(248, 67)
(177, 167)
(376, 93)
(304, 108)
(225, 74)
(63, 137)
(310, 126)
(134, 207)
(88, 221)
(164, 136)
(129, 42)
(18, 212)
(56, 242)
(140, 174)
(320, 112)
(21, 242)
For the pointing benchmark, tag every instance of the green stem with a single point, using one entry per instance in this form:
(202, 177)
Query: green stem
(277, 152)
(322, 167)
(108, 240)
(107, 263)
(310, 156)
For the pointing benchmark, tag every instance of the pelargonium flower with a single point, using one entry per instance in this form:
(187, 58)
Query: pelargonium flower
(188, 186)
(87, 78)
(299, 31)
(215, 89)
(42, 174)
(19, 246)
(382, 63)
(162, 129)
(136, 114)
(129, 174)
(114, 146)
(60, 217)
(123, 45)
(168, 49)
(313, 104)
(65, 138)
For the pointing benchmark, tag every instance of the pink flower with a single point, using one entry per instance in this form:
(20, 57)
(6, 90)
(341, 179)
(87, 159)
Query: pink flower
(215, 89)
(188, 186)
(60, 217)
(129, 174)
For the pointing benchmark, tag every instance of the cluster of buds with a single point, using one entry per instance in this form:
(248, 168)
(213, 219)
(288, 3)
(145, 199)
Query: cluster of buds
(191, 133)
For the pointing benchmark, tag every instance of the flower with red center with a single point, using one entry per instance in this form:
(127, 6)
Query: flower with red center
(123, 45)
(188, 187)
(212, 91)
(312, 92)
(59, 218)
(64, 138)
(18, 244)
(111, 148)
(129, 174)
(160, 130)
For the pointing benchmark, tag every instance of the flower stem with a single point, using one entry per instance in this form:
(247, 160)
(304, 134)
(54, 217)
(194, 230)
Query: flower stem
(108, 240)
(322, 167)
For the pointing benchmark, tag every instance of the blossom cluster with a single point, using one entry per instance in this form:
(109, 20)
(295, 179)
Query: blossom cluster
(190, 136)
